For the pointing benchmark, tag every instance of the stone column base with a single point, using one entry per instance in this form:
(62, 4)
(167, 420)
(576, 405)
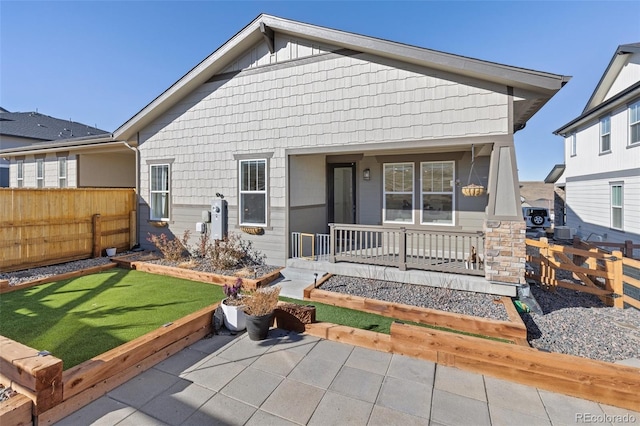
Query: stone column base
(505, 251)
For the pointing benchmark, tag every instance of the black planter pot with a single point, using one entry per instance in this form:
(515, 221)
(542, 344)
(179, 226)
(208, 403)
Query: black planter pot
(258, 326)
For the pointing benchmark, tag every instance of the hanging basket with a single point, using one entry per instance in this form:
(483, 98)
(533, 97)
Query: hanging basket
(473, 190)
(252, 230)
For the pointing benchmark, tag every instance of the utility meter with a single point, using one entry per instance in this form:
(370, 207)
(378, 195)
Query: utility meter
(218, 219)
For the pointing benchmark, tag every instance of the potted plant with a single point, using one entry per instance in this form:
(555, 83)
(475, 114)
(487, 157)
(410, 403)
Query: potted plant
(259, 306)
(233, 307)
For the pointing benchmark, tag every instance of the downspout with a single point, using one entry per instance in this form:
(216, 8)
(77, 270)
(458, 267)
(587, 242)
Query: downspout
(135, 149)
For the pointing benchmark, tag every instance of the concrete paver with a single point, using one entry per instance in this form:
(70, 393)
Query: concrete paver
(295, 379)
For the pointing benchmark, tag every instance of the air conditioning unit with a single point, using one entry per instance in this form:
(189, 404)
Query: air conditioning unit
(563, 233)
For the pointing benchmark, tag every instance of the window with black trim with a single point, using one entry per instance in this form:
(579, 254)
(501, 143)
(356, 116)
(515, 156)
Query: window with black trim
(253, 192)
(160, 195)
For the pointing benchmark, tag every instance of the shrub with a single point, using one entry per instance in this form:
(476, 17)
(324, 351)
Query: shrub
(233, 252)
(261, 301)
(171, 249)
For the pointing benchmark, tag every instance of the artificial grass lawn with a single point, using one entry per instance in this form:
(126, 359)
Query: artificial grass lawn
(80, 318)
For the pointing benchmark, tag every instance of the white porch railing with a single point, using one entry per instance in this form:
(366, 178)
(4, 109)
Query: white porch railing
(408, 248)
(310, 246)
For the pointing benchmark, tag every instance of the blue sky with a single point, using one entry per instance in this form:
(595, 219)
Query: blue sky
(100, 62)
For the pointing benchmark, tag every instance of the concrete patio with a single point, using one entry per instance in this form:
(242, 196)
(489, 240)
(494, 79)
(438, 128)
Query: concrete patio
(297, 379)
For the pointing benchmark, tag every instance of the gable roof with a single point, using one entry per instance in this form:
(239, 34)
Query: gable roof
(619, 59)
(33, 125)
(543, 85)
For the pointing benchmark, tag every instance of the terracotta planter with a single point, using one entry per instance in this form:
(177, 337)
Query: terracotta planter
(234, 316)
(258, 326)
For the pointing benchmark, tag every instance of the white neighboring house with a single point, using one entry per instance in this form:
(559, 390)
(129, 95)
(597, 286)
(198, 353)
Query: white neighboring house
(602, 155)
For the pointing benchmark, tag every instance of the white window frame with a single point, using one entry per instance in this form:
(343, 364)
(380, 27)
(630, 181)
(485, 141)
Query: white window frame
(159, 192)
(62, 172)
(39, 172)
(573, 146)
(605, 134)
(634, 123)
(20, 173)
(245, 190)
(410, 193)
(617, 205)
(452, 192)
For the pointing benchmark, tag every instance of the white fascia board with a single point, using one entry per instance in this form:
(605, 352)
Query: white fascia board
(93, 147)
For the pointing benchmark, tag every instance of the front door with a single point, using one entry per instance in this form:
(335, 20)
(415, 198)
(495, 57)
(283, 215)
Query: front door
(342, 193)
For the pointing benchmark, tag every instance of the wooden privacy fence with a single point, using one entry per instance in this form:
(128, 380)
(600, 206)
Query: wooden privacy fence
(40, 227)
(610, 276)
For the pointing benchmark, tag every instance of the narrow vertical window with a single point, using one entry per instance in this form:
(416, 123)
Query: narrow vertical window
(40, 173)
(634, 123)
(437, 182)
(253, 192)
(605, 135)
(20, 173)
(160, 195)
(574, 147)
(398, 192)
(617, 209)
(62, 172)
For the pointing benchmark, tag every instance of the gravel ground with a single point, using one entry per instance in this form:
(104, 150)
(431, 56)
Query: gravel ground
(443, 299)
(572, 322)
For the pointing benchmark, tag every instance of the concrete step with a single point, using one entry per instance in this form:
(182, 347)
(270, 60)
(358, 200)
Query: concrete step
(293, 281)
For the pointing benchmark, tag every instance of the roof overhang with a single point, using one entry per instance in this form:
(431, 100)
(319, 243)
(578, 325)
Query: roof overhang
(618, 61)
(543, 84)
(84, 145)
(555, 173)
(620, 99)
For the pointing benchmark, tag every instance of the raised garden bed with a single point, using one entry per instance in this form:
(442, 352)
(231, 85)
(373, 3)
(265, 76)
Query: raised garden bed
(143, 262)
(16, 411)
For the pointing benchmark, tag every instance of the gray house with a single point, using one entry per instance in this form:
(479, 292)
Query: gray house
(357, 147)
(22, 132)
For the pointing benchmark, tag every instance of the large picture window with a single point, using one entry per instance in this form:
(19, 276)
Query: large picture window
(253, 192)
(437, 183)
(160, 193)
(617, 208)
(634, 124)
(605, 134)
(398, 192)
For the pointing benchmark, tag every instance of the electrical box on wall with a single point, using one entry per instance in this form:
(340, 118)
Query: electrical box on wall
(218, 219)
(206, 216)
(201, 227)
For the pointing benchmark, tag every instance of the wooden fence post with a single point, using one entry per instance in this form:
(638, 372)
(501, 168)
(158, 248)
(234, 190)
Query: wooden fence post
(97, 236)
(628, 248)
(617, 286)
(133, 229)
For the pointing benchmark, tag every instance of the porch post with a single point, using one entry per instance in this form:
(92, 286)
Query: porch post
(332, 243)
(402, 255)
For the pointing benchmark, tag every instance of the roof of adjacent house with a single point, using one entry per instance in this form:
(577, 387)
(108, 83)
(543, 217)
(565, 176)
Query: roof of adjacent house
(597, 103)
(37, 126)
(543, 85)
(537, 194)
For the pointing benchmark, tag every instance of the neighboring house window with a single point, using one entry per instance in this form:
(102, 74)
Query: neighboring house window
(253, 192)
(616, 206)
(634, 123)
(437, 183)
(398, 192)
(40, 173)
(160, 195)
(62, 172)
(573, 145)
(20, 173)
(605, 134)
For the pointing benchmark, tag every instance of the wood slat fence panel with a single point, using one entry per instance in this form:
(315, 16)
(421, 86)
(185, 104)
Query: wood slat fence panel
(40, 227)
